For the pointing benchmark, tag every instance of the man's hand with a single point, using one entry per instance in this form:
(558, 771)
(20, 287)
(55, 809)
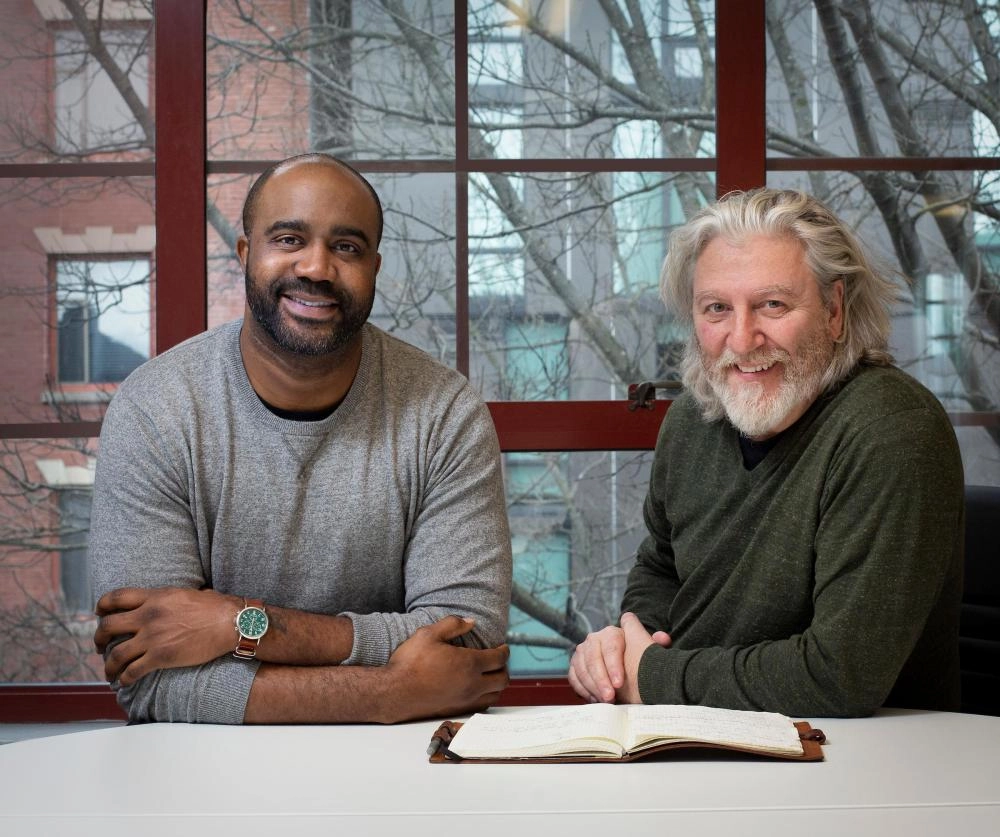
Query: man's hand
(597, 669)
(605, 666)
(430, 677)
(166, 627)
(637, 640)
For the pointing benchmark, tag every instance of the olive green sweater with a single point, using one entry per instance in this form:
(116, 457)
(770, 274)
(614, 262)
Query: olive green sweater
(824, 582)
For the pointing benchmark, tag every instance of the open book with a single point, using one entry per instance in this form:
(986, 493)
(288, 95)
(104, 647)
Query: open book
(607, 732)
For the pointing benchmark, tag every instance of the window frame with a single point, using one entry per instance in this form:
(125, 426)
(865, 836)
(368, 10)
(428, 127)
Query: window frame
(180, 290)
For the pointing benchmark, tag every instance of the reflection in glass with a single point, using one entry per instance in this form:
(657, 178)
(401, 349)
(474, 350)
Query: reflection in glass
(91, 114)
(75, 297)
(639, 211)
(103, 310)
(69, 94)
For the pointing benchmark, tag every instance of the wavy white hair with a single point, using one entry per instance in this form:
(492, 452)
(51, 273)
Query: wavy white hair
(832, 252)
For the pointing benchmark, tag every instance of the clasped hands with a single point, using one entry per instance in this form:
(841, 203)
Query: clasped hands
(605, 666)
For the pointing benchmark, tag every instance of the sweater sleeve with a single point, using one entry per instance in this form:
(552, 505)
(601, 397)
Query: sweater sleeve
(142, 535)
(457, 558)
(887, 550)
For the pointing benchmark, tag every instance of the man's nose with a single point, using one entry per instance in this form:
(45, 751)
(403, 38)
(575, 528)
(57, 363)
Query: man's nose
(315, 262)
(745, 336)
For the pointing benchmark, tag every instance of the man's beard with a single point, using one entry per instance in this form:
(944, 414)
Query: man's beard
(753, 412)
(313, 339)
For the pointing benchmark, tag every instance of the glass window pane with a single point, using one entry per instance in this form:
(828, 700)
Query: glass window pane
(350, 78)
(74, 293)
(46, 606)
(91, 114)
(567, 266)
(495, 276)
(102, 308)
(574, 74)
(415, 289)
(882, 79)
(576, 520)
(536, 359)
(685, 19)
(944, 330)
(60, 98)
(500, 129)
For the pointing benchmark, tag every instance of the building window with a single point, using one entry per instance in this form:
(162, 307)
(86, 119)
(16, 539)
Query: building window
(91, 115)
(102, 310)
(74, 575)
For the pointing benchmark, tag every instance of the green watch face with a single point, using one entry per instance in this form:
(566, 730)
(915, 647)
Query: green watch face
(252, 622)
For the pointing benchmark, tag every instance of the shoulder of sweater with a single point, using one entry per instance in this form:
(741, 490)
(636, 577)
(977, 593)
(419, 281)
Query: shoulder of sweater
(184, 365)
(684, 412)
(421, 393)
(881, 414)
(404, 366)
(876, 393)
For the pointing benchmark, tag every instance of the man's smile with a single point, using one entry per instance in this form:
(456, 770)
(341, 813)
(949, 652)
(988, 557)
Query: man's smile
(312, 303)
(304, 306)
(758, 367)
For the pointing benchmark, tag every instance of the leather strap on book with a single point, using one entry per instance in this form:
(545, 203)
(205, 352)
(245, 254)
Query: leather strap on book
(438, 748)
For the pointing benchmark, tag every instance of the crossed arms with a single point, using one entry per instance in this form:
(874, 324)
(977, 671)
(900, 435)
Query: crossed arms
(300, 679)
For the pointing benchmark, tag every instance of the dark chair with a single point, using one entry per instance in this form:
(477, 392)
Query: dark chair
(979, 632)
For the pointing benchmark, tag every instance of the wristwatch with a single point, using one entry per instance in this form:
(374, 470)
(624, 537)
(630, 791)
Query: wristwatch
(251, 625)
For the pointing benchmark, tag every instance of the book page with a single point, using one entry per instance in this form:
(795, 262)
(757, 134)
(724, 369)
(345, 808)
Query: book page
(764, 731)
(593, 729)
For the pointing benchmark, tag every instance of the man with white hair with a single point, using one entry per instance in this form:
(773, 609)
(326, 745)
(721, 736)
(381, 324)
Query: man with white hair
(805, 506)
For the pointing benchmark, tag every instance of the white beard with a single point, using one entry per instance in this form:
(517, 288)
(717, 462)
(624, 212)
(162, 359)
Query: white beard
(746, 405)
(754, 414)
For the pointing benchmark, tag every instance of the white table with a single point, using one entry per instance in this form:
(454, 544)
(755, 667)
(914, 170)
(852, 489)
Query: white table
(900, 773)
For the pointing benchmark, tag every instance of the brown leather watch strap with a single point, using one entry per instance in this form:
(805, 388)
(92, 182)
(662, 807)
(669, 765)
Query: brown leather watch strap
(246, 647)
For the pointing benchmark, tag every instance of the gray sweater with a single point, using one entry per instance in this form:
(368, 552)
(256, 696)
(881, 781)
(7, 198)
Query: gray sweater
(391, 511)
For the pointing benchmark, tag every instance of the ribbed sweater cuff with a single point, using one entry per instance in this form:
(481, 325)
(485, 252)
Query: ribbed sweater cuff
(661, 675)
(371, 640)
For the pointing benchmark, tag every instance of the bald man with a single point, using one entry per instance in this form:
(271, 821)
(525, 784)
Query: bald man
(298, 518)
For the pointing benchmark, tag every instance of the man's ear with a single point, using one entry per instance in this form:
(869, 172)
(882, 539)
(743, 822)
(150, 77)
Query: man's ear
(836, 309)
(242, 251)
